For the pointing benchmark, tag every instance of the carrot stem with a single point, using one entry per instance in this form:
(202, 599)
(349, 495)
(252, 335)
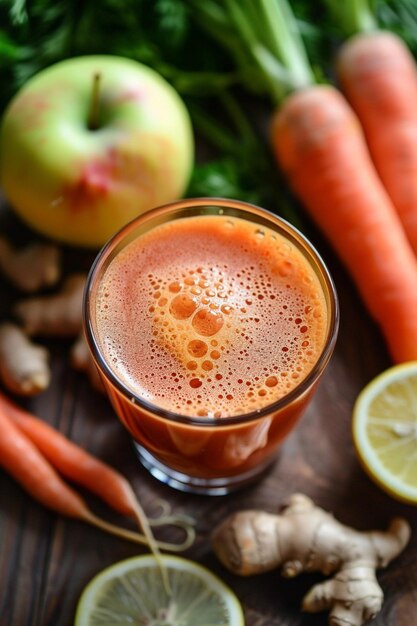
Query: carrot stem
(263, 38)
(354, 16)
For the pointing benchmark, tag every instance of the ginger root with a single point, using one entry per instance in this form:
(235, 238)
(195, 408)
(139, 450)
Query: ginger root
(82, 360)
(59, 314)
(24, 367)
(305, 538)
(32, 268)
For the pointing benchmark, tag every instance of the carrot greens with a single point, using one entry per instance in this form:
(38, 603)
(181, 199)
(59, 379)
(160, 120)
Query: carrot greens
(186, 41)
(264, 40)
(338, 19)
(354, 15)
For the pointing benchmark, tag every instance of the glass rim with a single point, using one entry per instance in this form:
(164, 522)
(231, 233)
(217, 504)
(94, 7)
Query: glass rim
(166, 414)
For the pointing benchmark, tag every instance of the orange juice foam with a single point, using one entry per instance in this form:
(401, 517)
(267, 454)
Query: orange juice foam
(211, 316)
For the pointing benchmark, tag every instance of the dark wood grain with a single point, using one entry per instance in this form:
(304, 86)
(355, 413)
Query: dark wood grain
(46, 560)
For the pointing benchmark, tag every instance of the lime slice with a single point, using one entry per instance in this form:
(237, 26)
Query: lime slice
(385, 430)
(132, 593)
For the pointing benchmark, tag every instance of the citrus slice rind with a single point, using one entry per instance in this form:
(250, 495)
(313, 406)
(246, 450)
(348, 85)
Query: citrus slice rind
(384, 430)
(132, 593)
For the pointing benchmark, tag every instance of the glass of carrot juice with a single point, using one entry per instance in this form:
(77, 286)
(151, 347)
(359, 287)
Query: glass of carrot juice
(211, 322)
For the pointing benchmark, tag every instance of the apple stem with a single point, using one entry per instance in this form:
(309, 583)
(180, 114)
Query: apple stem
(93, 118)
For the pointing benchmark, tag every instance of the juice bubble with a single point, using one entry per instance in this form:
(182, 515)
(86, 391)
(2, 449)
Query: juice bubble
(183, 306)
(207, 322)
(271, 381)
(197, 348)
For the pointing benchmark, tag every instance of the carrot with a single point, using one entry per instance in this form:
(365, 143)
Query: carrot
(23, 461)
(72, 461)
(319, 145)
(378, 75)
(79, 466)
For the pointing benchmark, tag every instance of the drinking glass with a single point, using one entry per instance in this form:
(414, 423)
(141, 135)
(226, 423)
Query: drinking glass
(202, 454)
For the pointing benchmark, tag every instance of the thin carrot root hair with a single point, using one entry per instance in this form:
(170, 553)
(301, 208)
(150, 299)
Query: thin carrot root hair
(143, 523)
(135, 537)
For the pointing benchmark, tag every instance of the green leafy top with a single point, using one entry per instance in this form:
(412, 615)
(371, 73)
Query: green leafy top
(354, 15)
(264, 39)
(186, 41)
(159, 33)
(342, 18)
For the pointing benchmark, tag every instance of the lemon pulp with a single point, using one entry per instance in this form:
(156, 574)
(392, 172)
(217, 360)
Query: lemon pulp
(385, 430)
(132, 593)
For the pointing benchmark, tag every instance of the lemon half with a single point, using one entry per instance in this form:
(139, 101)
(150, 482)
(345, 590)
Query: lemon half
(385, 430)
(132, 593)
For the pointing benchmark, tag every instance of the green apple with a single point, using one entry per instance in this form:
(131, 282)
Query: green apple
(90, 143)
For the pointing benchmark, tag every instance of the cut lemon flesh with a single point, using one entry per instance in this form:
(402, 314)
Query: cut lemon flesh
(385, 430)
(132, 593)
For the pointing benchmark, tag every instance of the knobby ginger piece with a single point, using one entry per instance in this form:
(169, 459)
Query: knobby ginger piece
(24, 366)
(305, 538)
(59, 314)
(82, 360)
(31, 268)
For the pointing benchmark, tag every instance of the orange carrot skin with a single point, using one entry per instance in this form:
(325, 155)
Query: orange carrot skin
(72, 461)
(378, 75)
(319, 145)
(23, 461)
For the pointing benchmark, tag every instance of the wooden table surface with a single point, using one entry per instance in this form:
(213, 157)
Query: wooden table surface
(46, 560)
